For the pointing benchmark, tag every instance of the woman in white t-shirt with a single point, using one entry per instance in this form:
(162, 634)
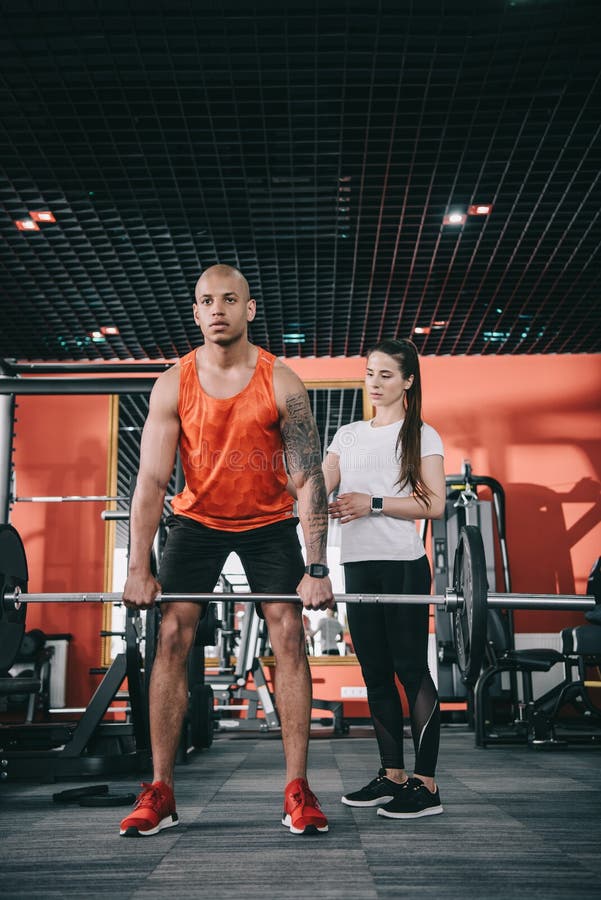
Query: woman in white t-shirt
(389, 472)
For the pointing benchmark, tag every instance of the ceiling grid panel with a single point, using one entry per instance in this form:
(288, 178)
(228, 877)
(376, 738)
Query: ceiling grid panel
(318, 147)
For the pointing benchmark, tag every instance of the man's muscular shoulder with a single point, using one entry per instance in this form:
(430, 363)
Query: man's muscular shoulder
(287, 386)
(166, 390)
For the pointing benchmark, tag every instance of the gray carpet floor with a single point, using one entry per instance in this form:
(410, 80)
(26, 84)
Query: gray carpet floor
(518, 823)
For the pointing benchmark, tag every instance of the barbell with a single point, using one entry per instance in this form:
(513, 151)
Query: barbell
(467, 600)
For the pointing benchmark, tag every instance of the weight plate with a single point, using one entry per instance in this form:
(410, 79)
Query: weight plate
(201, 716)
(469, 622)
(206, 631)
(13, 573)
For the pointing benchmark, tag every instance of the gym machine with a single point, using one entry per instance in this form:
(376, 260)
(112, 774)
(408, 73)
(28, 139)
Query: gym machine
(465, 507)
(566, 714)
(240, 707)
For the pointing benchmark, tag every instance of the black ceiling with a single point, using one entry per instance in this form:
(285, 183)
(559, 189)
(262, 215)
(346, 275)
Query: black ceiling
(315, 145)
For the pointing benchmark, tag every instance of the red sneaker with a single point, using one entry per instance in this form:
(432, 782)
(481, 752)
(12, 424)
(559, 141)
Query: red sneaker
(153, 811)
(302, 813)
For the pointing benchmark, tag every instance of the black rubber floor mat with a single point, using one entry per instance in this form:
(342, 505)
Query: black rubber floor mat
(109, 800)
(74, 795)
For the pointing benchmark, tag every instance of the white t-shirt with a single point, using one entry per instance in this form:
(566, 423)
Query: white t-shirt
(369, 465)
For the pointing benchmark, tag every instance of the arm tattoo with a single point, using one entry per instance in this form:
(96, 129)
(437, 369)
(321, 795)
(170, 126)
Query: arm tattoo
(303, 456)
(300, 437)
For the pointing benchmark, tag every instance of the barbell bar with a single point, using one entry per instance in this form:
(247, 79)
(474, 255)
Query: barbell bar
(467, 600)
(79, 498)
(73, 498)
(450, 601)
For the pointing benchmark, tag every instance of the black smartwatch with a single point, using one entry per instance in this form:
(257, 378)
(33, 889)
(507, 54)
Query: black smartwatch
(317, 570)
(377, 505)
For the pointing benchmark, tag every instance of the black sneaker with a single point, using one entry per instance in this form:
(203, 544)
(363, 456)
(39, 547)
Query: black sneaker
(415, 802)
(379, 791)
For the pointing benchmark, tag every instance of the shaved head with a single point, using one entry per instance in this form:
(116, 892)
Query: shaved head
(229, 271)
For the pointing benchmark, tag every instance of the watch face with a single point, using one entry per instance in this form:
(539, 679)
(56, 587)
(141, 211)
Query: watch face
(377, 504)
(317, 570)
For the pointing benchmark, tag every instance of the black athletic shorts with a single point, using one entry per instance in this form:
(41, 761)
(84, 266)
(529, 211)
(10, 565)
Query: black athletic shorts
(194, 556)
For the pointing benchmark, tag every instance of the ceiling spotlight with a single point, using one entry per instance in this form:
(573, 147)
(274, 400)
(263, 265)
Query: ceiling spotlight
(109, 329)
(484, 209)
(454, 218)
(422, 329)
(439, 323)
(293, 338)
(27, 225)
(97, 337)
(42, 215)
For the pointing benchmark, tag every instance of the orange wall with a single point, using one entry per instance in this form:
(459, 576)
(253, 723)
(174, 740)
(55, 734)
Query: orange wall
(61, 447)
(533, 423)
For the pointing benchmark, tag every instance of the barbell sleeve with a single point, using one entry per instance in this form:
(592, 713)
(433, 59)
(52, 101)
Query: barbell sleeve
(540, 601)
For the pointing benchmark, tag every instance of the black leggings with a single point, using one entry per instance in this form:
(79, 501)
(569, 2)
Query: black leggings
(394, 639)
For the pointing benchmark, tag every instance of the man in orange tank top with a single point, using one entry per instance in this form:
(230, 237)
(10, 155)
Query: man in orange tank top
(234, 410)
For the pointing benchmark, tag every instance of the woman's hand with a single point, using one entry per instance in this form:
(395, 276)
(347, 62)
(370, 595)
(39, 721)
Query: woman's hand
(350, 506)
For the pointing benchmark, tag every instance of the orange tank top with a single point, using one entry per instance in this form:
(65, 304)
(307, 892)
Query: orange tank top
(232, 452)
